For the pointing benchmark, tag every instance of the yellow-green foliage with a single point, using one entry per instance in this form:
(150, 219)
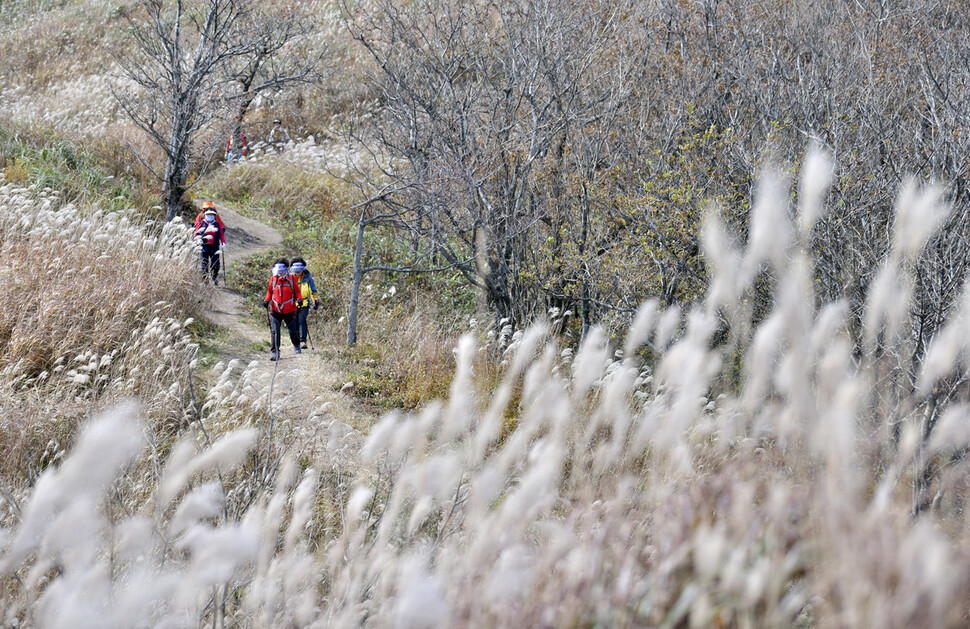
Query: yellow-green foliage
(101, 172)
(660, 254)
(16, 172)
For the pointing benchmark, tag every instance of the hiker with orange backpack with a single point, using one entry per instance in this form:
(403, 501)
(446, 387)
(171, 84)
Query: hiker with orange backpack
(209, 205)
(211, 237)
(281, 303)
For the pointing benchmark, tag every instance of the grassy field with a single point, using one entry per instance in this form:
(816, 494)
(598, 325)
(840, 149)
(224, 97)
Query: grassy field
(799, 470)
(587, 489)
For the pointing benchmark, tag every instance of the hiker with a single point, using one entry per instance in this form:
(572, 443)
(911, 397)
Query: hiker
(236, 147)
(281, 300)
(209, 234)
(279, 137)
(308, 294)
(209, 205)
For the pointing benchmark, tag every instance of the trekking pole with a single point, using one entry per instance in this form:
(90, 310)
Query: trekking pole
(310, 339)
(222, 253)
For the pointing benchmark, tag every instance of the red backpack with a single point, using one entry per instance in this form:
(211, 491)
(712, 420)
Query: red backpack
(210, 235)
(284, 294)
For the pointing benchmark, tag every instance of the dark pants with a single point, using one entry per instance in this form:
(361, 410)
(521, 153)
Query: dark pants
(275, 324)
(301, 317)
(210, 261)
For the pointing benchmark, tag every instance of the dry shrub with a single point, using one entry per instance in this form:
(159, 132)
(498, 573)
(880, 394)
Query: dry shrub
(407, 357)
(421, 352)
(416, 348)
(92, 311)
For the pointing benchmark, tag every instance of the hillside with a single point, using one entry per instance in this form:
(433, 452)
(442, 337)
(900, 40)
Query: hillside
(641, 314)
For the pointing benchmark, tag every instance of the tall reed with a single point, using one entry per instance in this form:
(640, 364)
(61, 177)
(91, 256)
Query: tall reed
(785, 477)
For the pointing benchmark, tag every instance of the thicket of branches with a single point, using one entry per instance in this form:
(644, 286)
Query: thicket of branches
(557, 153)
(198, 66)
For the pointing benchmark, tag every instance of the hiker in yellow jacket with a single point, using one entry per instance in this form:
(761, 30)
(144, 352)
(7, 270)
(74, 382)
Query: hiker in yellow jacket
(308, 292)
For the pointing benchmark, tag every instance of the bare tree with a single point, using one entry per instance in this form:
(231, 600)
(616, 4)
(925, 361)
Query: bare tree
(482, 105)
(192, 61)
(558, 153)
(283, 54)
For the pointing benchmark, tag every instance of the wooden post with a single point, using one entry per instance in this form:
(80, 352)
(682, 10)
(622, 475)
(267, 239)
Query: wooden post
(355, 289)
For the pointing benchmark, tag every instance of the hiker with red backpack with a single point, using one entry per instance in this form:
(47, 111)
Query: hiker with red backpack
(281, 303)
(236, 147)
(212, 238)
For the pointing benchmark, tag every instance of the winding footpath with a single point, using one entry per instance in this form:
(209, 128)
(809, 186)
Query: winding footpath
(307, 396)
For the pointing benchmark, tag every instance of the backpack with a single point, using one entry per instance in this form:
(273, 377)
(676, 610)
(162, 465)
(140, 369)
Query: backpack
(284, 301)
(200, 220)
(307, 298)
(207, 232)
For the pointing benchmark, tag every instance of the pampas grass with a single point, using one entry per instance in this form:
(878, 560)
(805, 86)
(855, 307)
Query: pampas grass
(88, 312)
(808, 490)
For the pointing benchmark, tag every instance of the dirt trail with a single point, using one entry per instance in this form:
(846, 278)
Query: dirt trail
(307, 387)
(244, 237)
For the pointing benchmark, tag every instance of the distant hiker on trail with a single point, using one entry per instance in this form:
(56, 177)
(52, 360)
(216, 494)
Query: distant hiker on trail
(279, 137)
(210, 235)
(308, 293)
(236, 147)
(280, 302)
(209, 205)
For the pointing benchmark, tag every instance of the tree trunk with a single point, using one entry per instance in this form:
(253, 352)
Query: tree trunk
(583, 237)
(174, 189)
(355, 289)
(587, 306)
(177, 165)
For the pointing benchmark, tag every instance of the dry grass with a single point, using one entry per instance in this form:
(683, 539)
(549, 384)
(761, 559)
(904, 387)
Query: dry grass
(623, 494)
(298, 179)
(88, 298)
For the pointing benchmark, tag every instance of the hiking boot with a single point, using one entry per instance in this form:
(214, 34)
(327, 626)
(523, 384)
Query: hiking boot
(275, 356)
(303, 345)
(296, 348)
(215, 281)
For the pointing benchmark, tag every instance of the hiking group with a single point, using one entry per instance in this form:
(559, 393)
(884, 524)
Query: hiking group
(237, 148)
(289, 296)
(291, 291)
